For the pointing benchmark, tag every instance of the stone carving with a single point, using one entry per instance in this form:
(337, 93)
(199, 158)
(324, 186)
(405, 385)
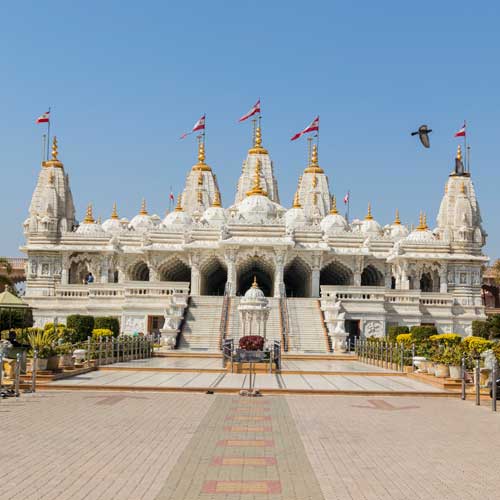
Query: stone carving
(134, 324)
(374, 328)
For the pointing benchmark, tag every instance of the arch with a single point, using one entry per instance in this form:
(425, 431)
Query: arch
(261, 269)
(174, 269)
(213, 274)
(336, 273)
(139, 271)
(371, 276)
(78, 269)
(297, 278)
(426, 283)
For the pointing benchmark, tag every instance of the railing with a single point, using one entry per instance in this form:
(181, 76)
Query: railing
(105, 351)
(328, 339)
(276, 354)
(285, 324)
(227, 352)
(224, 315)
(390, 355)
(471, 369)
(133, 289)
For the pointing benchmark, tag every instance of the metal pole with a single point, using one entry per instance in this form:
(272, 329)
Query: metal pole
(112, 350)
(33, 370)
(88, 351)
(17, 373)
(391, 354)
(413, 357)
(494, 386)
(402, 363)
(464, 394)
(100, 351)
(478, 382)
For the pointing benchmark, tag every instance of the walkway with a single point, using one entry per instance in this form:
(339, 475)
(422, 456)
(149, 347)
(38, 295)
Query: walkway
(130, 446)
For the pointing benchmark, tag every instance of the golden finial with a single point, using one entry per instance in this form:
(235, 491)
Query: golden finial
(296, 201)
(114, 213)
(200, 179)
(217, 202)
(143, 210)
(51, 178)
(334, 210)
(397, 220)
(179, 208)
(313, 167)
(459, 153)
(369, 214)
(422, 225)
(462, 188)
(54, 161)
(256, 187)
(255, 284)
(257, 144)
(201, 165)
(89, 218)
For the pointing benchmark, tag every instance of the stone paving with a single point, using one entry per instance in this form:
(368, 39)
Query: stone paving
(307, 382)
(122, 445)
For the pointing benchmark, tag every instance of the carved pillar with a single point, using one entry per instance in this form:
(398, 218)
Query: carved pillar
(195, 274)
(443, 279)
(315, 274)
(65, 269)
(230, 258)
(405, 282)
(279, 260)
(388, 276)
(358, 270)
(105, 269)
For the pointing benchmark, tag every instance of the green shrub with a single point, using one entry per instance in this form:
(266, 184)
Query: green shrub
(404, 338)
(394, 331)
(494, 326)
(481, 329)
(15, 318)
(422, 332)
(109, 323)
(102, 332)
(83, 326)
(447, 339)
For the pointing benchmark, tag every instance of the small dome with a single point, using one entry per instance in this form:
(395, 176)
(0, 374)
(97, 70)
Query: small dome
(334, 222)
(257, 208)
(295, 217)
(156, 219)
(141, 222)
(422, 233)
(254, 292)
(90, 228)
(177, 218)
(214, 215)
(370, 226)
(112, 225)
(396, 230)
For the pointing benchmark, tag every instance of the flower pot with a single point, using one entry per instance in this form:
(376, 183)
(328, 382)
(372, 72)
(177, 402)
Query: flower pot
(441, 371)
(455, 371)
(41, 364)
(53, 362)
(66, 361)
(419, 361)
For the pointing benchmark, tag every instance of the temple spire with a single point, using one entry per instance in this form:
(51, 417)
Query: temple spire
(54, 161)
(334, 210)
(257, 149)
(397, 220)
(179, 208)
(217, 202)
(89, 218)
(313, 167)
(201, 165)
(369, 215)
(296, 201)
(114, 213)
(143, 210)
(256, 187)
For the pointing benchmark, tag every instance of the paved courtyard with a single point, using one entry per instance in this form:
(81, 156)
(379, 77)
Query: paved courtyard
(135, 445)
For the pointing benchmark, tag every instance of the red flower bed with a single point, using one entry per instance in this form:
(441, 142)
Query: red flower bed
(252, 343)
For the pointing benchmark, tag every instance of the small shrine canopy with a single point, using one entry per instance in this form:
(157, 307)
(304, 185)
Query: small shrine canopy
(9, 301)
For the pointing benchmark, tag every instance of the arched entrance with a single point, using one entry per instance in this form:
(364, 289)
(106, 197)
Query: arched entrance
(213, 277)
(336, 273)
(297, 278)
(139, 272)
(174, 269)
(262, 270)
(371, 276)
(78, 270)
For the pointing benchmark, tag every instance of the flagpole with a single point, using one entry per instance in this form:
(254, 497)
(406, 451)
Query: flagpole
(465, 147)
(348, 205)
(317, 137)
(309, 148)
(48, 134)
(44, 147)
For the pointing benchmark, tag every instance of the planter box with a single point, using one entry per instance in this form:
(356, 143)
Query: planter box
(455, 372)
(41, 364)
(441, 371)
(53, 363)
(66, 361)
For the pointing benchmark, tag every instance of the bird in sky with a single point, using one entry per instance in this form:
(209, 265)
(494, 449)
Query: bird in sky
(423, 132)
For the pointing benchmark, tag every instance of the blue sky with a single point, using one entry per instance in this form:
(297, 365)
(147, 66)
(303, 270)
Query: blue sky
(126, 78)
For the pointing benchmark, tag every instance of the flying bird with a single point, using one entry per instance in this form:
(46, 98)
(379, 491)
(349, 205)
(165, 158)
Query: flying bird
(423, 132)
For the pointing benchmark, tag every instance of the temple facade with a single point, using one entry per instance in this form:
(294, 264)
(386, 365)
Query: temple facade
(146, 269)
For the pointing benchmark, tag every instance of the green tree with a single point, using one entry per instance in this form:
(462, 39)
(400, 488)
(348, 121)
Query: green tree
(5, 270)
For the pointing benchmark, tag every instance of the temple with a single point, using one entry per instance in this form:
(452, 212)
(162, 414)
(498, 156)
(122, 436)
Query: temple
(186, 273)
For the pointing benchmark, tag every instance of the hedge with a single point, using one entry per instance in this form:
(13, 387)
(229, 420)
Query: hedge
(15, 318)
(394, 331)
(422, 332)
(107, 323)
(481, 329)
(83, 325)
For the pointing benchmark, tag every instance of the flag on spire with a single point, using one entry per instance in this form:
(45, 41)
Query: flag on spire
(171, 196)
(346, 197)
(255, 109)
(45, 118)
(313, 127)
(461, 132)
(199, 125)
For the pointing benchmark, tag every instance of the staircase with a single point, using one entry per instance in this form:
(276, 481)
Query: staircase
(273, 326)
(306, 326)
(201, 324)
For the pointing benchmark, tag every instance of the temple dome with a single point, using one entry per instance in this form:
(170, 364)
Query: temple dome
(397, 230)
(178, 217)
(142, 221)
(334, 222)
(254, 293)
(422, 233)
(89, 226)
(295, 216)
(257, 208)
(370, 226)
(113, 224)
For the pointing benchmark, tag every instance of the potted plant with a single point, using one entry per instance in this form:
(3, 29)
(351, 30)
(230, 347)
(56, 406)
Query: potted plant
(65, 352)
(441, 369)
(452, 356)
(43, 343)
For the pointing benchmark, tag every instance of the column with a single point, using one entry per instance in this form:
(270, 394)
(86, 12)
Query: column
(104, 270)
(315, 275)
(443, 279)
(230, 258)
(388, 276)
(358, 270)
(279, 260)
(195, 273)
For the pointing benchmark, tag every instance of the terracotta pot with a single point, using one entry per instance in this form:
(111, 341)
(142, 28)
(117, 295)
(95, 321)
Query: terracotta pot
(441, 371)
(456, 372)
(66, 361)
(53, 362)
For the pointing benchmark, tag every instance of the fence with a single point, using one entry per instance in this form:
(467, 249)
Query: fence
(471, 368)
(389, 355)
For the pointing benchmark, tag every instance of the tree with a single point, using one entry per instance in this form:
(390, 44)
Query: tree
(5, 270)
(496, 271)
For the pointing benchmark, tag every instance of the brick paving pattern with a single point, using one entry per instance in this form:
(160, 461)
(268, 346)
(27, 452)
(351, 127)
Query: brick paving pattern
(131, 446)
